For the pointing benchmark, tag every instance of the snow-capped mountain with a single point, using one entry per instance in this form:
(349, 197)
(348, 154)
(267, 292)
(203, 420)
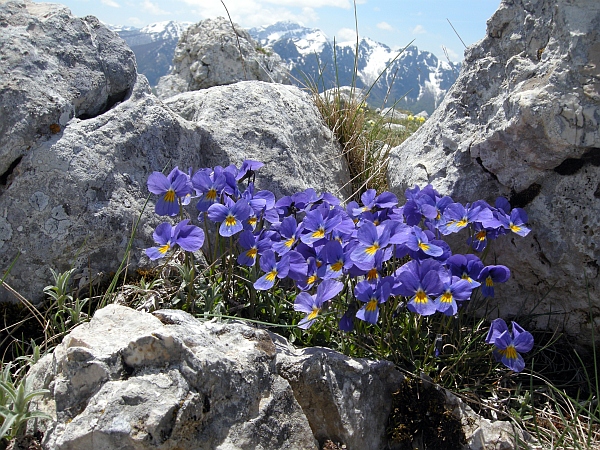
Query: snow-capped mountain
(153, 46)
(416, 79)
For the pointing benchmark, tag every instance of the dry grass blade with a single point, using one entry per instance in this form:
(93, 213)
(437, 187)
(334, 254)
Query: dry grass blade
(38, 316)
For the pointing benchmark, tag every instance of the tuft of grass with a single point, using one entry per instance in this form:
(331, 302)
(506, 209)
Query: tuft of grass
(366, 137)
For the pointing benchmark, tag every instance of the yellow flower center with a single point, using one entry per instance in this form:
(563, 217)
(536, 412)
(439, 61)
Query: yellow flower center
(423, 246)
(462, 222)
(447, 297)
(515, 228)
(170, 196)
(211, 194)
(164, 248)
(480, 236)
(251, 253)
(372, 249)
(489, 282)
(230, 220)
(319, 233)
(337, 266)
(465, 276)
(311, 279)
(371, 305)
(314, 313)
(290, 242)
(252, 221)
(271, 275)
(510, 352)
(372, 274)
(421, 296)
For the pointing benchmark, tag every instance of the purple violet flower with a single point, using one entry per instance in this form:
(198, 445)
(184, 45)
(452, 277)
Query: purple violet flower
(171, 187)
(231, 215)
(466, 267)
(248, 169)
(319, 223)
(371, 296)
(252, 246)
(209, 187)
(188, 237)
(312, 304)
(289, 232)
(457, 290)
(508, 345)
(516, 221)
(369, 241)
(420, 281)
(273, 269)
(490, 275)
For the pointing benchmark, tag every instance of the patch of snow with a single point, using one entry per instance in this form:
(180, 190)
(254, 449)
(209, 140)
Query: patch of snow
(311, 43)
(170, 28)
(377, 61)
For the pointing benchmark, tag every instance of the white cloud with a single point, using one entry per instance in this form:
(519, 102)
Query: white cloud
(110, 3)
(345, 34)
(153, 8)
(419, 29)
(346, 4)
(384, 26)
(252, 13)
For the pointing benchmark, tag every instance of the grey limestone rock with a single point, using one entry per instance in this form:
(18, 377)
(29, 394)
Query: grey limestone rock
(55, 67)
(348, 399)
(129, 379)
(273, 123)
(522, 122)
(70, 195)
(167, 381)
(208, 54)
(72, 199)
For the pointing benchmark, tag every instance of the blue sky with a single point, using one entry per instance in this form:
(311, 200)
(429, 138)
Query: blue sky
(392, 22)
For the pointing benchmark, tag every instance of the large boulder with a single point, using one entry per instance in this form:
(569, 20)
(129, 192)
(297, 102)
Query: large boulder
(54, 67)
(273, 123)
(214, 52)
(133, 380)
(166, 381)
(522, 122)
(74, 167)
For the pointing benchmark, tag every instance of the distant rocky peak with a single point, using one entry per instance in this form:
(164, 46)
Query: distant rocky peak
(415, 78)
(166, 30)
(418, 79)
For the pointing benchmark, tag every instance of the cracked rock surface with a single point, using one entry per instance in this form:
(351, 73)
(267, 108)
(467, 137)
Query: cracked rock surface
(139, 381)
(522, 122)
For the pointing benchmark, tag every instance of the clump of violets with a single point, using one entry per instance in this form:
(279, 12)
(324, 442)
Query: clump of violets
(361, 255)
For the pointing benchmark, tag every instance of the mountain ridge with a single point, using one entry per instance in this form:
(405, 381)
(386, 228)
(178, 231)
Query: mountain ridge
(416, 80)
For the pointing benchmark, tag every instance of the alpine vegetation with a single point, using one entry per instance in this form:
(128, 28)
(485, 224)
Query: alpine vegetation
(356, 263)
